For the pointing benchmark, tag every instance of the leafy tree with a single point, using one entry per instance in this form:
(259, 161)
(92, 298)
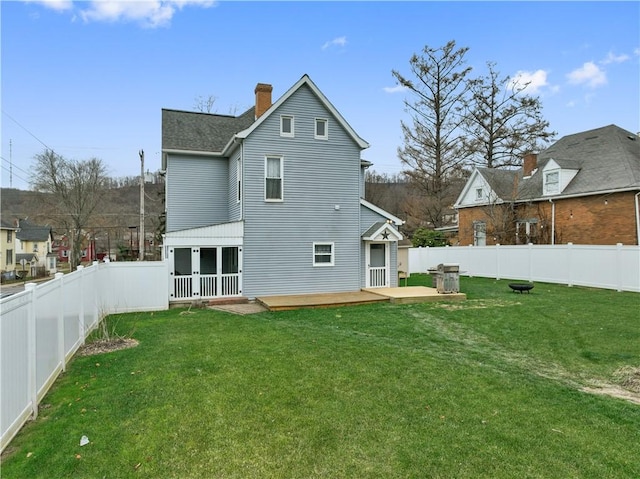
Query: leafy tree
(439, 91)
(426, 237)
(502, 122)
(76, 188)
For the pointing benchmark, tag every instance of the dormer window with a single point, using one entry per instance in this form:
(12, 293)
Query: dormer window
(551, 182)
(321, 129)
(286, 126)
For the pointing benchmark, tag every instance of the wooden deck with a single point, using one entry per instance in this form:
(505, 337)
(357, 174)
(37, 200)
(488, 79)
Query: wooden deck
(403, 295)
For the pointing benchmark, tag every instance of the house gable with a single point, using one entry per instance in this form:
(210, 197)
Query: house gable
(485, 186)
(555, 177)
(304, 81)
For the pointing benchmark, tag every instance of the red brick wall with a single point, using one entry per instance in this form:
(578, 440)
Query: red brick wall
(602, 219)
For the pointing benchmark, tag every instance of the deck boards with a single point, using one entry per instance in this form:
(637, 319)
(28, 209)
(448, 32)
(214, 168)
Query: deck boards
(403, 295)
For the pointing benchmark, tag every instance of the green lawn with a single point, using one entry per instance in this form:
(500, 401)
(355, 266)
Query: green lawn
(487, 388)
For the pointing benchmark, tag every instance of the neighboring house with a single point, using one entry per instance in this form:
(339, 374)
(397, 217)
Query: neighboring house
(62, 247)
(583, 189)
(36, 241)
(7, 249)
(271, 202)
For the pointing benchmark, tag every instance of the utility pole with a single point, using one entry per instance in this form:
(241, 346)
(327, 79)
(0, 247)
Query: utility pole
(141, 242)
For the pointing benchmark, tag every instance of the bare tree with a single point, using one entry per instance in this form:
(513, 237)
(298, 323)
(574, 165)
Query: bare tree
(439, 92)
(502, 122)
(76, 188)
(205, 104)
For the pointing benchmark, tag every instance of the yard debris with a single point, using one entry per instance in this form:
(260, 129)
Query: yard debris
(84, 440)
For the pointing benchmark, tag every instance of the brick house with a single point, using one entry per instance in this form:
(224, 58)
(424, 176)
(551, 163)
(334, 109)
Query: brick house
(583, 189)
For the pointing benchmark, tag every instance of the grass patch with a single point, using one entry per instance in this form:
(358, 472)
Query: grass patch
(490, 387)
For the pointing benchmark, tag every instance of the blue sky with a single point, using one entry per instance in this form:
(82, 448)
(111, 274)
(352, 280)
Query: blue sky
(89, 79)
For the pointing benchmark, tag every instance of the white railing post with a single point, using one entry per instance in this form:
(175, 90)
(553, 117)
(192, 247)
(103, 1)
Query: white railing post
(31, 349)
(61, 355)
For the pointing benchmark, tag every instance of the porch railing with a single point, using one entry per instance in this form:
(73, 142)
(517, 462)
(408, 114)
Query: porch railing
(377, 277)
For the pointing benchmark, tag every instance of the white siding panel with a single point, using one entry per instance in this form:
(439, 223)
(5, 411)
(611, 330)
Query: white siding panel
(197, 191)
(318, 175)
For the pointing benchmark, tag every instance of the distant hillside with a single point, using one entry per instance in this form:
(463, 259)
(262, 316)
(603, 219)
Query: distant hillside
(119, 209)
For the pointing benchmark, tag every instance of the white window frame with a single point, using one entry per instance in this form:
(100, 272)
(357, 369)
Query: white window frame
(239, 180)
(281, 178)
(326, 129)
(288, 134)
(331, 254)
(479, 194)
(479, 233)
(553, 186)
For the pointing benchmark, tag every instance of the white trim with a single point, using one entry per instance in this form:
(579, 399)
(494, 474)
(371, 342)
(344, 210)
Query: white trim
(376, 236)
(326, 129)
(397, 221)
(332, 255)
(238, 180)
(287, 134)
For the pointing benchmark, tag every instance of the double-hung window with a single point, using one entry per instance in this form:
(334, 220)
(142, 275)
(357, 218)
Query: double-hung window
(239, 179)
(552, 182)
(273, 178)
(286, 126)
(321, 132)
(323, 254)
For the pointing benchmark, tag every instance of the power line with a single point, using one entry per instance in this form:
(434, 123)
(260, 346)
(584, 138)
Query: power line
(15, 166)
(14, 174)
(25, 129)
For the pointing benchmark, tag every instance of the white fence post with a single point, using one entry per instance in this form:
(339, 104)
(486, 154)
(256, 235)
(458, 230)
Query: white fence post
(31, 349)
(569, 264)
(61, 355)
(619, 267)
(498, 261)
(81, 305)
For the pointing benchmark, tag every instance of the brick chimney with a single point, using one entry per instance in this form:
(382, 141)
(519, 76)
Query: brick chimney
(263, 98)
(530, 163)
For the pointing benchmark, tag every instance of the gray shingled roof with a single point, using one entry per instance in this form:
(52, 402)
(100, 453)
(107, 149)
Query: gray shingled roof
(195, 131)
(30, 232)
(606, 158)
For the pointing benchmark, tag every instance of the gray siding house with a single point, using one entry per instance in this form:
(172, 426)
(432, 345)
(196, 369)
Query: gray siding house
(271, 202)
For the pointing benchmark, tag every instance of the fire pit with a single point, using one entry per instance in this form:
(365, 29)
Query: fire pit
(521, 287)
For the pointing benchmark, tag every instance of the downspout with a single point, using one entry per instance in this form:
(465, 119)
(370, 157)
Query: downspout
(553, 223)
(637, 218)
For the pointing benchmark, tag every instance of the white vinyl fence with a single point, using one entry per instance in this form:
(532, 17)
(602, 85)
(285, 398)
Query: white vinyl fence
(609, 267)
(42, 327)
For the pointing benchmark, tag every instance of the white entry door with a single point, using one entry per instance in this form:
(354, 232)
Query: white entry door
(377, 265)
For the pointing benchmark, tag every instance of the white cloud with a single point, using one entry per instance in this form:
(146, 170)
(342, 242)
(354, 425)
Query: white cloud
(149, 13)
(611, 58)
(58, 5)
(339, 42)
(395, 89)
(588, 74)
(536, 80)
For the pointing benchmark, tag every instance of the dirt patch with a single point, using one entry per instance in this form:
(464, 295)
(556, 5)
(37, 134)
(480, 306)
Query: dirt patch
(107, 346)
(629, 378)
(614, 391)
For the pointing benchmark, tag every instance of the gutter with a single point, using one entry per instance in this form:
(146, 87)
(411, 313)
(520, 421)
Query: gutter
(637, 217)
(553, 221)
(192, 152)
